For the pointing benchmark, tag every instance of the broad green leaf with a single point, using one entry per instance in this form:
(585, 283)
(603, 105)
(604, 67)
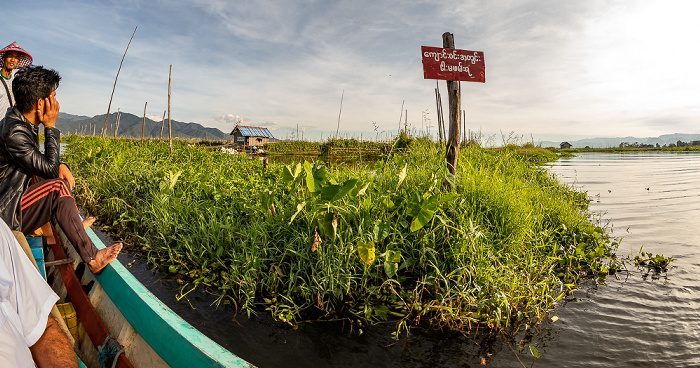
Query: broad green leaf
(427, 210)
(320, 175)
(391, 262)
(310, 182)
(402, 176)
(345, 189)
(287, 174)
(381, 230)
(366, 251)
(325, 223)
(395, 256)
(328, 192)
(390, 268)
(388, 203)
(300, 207)
(332, 193)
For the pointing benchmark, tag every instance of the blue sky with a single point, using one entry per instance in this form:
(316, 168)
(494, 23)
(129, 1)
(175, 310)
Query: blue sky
(555, 70)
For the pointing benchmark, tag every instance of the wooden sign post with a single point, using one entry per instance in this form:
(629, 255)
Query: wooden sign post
(453, 96)
(453, 65)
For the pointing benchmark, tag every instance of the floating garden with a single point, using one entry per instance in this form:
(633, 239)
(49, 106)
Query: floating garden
(308, 241)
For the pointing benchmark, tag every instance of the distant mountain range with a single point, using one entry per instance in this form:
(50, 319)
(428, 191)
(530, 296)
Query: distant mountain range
(662, 140)
(130, 127)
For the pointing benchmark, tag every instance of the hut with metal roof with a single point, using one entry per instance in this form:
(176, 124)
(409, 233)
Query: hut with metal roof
(249, 136)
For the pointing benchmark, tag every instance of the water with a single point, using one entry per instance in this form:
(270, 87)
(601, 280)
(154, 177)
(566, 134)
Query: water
(651, 200)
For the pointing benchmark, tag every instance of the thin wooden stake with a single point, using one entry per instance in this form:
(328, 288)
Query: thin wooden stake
(339, 112)
(116, 124)
(162, 124)
(401, 117)
(170, 126)
(143, 126)
(104, 132)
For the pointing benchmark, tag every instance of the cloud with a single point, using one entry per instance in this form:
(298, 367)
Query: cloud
(229, 119)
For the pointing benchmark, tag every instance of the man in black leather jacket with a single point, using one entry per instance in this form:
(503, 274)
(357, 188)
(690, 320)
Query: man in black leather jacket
(26, 207)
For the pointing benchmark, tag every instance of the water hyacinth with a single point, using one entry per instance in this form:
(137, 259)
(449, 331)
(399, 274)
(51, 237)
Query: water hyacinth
(307, 241)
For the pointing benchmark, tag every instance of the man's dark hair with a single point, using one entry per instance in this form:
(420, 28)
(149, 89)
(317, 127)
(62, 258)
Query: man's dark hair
(31, 84)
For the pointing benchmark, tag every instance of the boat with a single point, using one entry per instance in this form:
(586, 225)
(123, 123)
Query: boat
(120, 322)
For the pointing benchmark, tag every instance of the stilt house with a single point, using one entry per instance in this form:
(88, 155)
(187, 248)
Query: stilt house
(249, 136)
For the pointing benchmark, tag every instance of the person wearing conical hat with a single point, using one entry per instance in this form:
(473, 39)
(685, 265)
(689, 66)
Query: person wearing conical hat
(12, 57)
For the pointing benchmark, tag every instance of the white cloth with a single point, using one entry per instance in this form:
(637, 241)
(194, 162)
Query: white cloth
(25, 303)
(4, 101)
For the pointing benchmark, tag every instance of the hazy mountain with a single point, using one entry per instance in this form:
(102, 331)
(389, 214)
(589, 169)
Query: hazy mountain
(665, 139)
(130, 127)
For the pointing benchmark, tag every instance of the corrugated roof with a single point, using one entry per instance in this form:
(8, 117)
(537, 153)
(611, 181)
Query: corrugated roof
(249, 131)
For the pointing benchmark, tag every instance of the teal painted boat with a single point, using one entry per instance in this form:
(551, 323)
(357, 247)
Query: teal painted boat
(151, 334)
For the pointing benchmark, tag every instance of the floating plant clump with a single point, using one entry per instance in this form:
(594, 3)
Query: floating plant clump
(367, 243)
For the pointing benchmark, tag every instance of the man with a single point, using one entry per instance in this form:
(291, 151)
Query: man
(28, 334)
(26, 207)
(11, 57)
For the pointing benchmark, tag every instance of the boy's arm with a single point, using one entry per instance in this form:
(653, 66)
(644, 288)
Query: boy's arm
(22, 148)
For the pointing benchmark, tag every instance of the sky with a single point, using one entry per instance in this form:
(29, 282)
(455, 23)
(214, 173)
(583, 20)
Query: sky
(555, 70)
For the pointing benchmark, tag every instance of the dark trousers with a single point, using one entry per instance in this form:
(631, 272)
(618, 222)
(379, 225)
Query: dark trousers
(52, 197)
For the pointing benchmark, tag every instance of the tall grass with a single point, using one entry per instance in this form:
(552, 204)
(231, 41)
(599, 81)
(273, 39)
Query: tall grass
(306, 241)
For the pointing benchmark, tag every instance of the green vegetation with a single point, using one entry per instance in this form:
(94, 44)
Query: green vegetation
(305, 241)
(287, 147)
(656, 264)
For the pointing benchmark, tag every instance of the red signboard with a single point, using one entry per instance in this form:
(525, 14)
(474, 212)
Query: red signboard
(453, 64)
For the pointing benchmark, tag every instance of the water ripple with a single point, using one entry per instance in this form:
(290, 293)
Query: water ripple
(652, 201)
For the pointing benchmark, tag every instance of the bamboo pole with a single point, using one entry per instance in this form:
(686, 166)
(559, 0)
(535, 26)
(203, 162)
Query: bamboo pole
(104, 132)
(143, 126)
(401, 116)
(405, 123)
(339, 112)
(170, 127)
(116, 124)
(162, 124)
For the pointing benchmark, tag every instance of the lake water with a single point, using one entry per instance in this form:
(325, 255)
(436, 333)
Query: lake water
(651, 200)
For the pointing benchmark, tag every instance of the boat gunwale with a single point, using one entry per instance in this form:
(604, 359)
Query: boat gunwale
(176, 341)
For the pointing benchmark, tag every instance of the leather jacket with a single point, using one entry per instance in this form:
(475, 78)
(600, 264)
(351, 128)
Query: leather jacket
(20, 159)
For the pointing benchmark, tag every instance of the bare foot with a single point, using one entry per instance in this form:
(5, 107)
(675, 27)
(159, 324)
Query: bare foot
(104, 257)
(88, 222)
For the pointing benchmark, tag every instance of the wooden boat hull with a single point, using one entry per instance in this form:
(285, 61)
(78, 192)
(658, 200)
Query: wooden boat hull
(151, 333)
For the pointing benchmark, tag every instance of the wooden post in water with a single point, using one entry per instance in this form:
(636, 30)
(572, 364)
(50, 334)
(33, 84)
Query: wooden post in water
(453, 94)
(170, 126)
(143, 126)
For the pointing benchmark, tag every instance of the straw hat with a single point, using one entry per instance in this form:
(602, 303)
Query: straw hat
(24, 60)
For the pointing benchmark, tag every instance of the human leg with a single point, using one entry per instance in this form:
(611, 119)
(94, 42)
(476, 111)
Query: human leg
(52, 197)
